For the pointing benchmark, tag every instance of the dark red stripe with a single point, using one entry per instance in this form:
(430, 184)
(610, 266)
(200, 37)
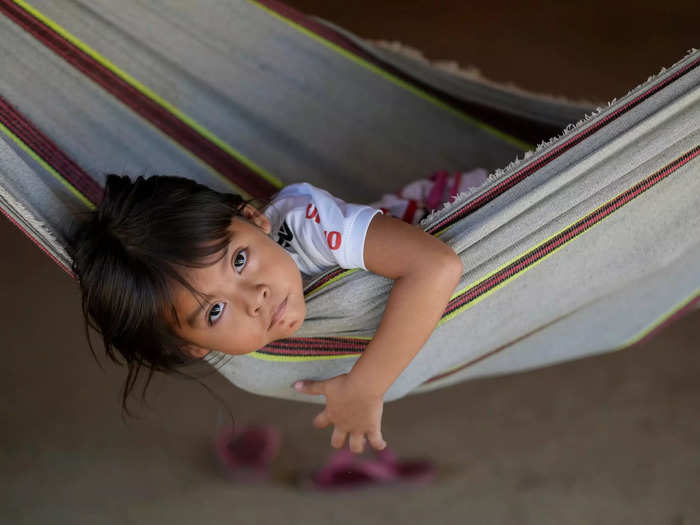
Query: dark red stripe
(324, 341)
(49, 152)
(328, 346)
(217, 158)
(308, 353)
(315, 346)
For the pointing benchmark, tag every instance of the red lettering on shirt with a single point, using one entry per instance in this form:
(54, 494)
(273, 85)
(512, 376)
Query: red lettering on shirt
(334, 240)
(312, 213)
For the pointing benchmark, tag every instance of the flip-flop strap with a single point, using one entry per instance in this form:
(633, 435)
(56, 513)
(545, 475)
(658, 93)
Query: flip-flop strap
(344, 460)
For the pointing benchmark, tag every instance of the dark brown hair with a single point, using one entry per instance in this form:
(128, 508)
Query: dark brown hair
(128, 254)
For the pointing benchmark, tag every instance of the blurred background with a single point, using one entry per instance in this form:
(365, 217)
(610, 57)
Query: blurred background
(610, 439)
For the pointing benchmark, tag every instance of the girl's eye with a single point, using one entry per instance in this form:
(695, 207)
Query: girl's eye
(240, 260)
(215, 313)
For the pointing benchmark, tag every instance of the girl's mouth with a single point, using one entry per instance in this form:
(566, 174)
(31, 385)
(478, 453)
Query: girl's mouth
(279, 312)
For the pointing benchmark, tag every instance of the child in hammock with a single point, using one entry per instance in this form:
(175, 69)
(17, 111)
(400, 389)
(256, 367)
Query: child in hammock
(170, 269)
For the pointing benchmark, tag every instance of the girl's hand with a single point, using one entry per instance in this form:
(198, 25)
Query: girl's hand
(353, 409)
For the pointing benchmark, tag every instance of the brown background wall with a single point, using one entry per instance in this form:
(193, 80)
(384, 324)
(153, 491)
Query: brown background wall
(590, 50)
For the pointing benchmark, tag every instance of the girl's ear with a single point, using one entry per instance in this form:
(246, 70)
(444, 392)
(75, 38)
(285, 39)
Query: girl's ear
(257, 218)
(196, 351)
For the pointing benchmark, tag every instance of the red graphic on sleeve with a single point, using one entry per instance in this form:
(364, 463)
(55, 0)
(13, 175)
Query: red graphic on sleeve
(312, 213)
(333, 238)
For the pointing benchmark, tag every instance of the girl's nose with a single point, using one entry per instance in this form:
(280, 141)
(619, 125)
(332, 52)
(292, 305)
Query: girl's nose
(257, 299)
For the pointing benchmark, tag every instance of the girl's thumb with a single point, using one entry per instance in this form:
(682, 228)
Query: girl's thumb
(305, 386)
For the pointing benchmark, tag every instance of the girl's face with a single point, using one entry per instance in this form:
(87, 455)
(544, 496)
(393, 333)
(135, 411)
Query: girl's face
(254, 293)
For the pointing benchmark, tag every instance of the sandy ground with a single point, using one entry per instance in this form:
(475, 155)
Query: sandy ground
(612, 439)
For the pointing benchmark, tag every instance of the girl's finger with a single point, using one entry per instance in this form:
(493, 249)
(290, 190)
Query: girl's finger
(357, 443)
(338, 438)
(313, 388)
(322, 420)
(376, 440)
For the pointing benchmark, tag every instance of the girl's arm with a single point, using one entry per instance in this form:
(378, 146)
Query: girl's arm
(425, 272)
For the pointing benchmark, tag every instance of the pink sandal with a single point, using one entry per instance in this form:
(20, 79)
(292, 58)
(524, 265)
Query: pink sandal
(346, 470)
(246, 452)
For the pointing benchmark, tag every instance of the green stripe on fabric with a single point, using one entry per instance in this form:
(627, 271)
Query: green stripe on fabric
(397, 81)
(150, 94)
(82, 198)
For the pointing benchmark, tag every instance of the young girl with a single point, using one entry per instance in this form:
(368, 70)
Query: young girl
(170, 269)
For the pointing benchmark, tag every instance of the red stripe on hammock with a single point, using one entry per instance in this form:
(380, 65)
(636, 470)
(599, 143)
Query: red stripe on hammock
(161, 118)
(49, 152)
(328, 346)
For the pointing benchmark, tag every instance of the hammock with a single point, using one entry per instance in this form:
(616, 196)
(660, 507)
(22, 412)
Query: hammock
(587, 244)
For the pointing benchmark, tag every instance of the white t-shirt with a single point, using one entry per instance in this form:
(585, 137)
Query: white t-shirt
(319, 230)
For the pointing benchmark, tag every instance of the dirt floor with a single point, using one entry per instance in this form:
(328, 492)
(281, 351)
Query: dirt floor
(610, 440)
